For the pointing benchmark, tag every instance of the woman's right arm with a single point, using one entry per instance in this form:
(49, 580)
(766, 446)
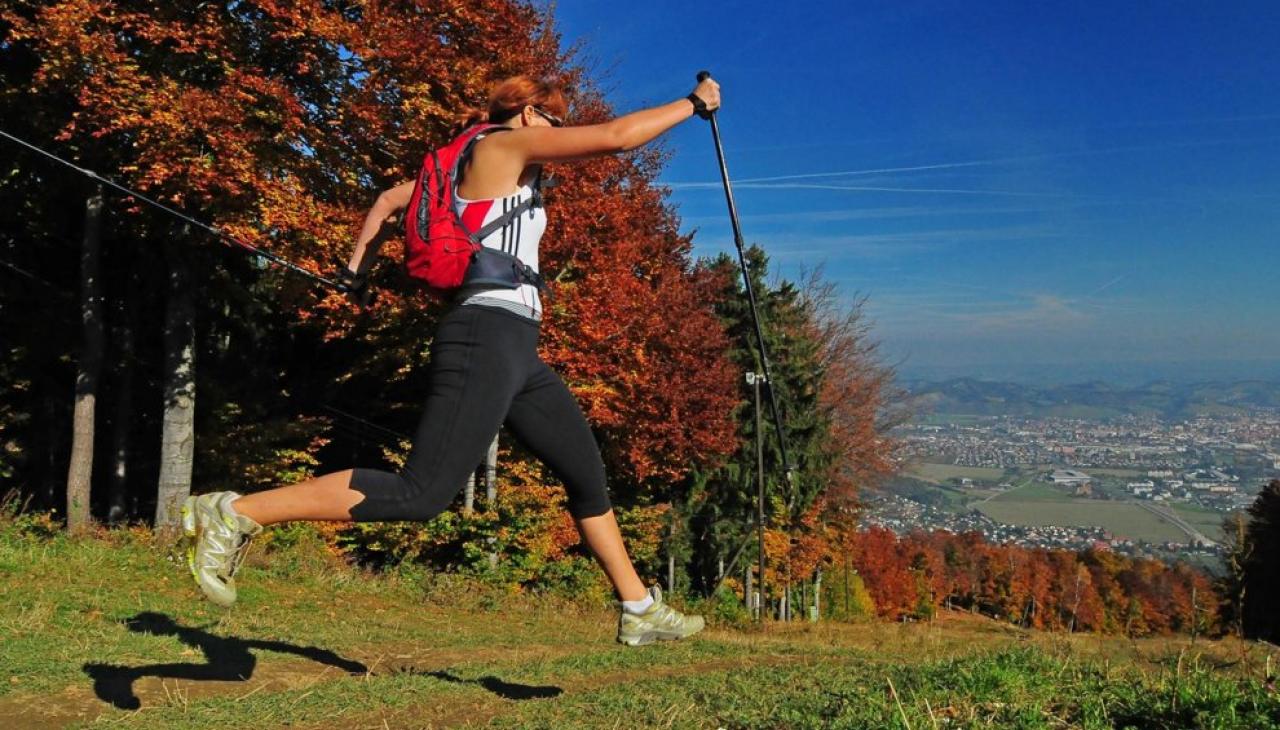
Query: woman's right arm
(539, 145)
(377, 228)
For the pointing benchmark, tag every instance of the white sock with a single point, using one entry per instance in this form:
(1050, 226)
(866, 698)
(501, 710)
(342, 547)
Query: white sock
(635, 608)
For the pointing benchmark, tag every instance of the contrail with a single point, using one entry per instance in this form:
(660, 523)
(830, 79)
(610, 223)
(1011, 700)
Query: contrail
(976, 163)
(1104, 287)
(871, 188)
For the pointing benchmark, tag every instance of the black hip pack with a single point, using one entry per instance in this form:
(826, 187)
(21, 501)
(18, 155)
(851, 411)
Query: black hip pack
(491, 267)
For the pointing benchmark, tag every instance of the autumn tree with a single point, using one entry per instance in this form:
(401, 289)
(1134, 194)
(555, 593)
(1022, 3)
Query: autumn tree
(279, 124)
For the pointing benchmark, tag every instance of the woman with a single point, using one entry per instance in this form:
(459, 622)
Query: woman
(485, 369)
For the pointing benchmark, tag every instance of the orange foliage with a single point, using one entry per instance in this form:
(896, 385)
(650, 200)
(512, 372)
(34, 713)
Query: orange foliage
(1043, 589)
(280, 122)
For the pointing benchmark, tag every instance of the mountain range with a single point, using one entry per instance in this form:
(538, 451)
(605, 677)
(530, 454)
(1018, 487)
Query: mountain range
(1091, 400)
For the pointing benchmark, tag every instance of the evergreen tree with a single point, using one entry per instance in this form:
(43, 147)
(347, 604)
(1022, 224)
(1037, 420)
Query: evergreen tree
(722, 501)
(1260, 613)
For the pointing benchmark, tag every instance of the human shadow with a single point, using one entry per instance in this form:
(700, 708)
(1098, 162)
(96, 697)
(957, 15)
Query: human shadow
(504, 689)
(228, 659)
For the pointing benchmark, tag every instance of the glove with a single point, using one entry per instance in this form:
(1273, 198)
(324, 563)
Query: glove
(349, 281)
(355, 286)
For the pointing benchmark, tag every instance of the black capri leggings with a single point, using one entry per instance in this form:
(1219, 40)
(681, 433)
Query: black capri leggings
(485, 369)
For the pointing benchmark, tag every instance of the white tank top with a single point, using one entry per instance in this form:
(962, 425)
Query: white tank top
(519, 238)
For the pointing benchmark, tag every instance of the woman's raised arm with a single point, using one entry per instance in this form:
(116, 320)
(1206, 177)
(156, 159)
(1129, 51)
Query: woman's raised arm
(538, 144)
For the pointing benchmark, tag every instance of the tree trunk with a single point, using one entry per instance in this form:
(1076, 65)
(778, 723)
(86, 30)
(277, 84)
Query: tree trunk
(469, 491)
(491, 473)
(178, 437)
(491, 491)
(817, 596)
(80, 471)
(122, 423)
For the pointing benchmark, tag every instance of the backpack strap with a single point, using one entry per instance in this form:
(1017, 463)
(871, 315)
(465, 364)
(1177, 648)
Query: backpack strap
(529, 203)
(533, 201)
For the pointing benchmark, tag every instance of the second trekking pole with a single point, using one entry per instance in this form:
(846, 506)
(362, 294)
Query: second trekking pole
(788, 467)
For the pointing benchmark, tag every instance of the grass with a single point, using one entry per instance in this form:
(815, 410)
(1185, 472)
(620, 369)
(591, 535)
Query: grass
(108, 629)
(1123, 520)
(1033, 491)
(1205, 520)
(1034, 502)
(938, 473)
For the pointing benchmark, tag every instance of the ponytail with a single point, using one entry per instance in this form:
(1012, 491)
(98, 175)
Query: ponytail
(470, 117)
(509, 97)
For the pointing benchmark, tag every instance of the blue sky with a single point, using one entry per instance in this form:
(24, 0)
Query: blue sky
(1015, 186)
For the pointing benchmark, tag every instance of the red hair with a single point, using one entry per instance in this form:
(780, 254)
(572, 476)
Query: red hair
(510, 96)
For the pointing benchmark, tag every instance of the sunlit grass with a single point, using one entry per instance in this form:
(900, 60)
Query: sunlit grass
(325, 645)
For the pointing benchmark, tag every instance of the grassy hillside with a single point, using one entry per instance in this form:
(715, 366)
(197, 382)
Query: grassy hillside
(108, 628)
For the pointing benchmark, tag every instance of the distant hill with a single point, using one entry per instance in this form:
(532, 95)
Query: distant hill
(1092, 400)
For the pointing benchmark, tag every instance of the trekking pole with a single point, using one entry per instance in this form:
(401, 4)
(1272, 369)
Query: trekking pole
(767, 381)
(751, 297)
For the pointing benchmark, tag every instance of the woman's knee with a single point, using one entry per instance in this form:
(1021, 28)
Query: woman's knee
(588, 494)
(425, 498)
(401, 496)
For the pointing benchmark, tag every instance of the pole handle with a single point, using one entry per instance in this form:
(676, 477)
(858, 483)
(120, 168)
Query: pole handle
(699, 107)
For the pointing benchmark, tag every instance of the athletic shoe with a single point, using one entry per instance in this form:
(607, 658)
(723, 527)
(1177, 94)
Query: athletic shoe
(659, 623)
(220, 540)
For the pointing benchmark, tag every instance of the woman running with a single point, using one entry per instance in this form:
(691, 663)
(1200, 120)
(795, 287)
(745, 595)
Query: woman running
(485, 369)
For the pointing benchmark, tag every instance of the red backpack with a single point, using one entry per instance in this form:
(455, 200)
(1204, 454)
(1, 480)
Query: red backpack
(439, 251)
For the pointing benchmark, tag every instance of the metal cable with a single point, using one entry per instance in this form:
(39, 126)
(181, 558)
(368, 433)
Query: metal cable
(225, 237)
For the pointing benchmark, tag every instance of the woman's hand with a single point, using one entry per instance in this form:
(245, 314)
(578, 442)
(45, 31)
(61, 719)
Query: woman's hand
(355, 286)
(709, 91)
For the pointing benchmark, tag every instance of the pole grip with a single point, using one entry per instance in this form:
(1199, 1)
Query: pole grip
(703, 76)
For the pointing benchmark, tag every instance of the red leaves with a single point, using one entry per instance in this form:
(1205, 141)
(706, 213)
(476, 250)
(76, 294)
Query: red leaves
(1044, 589)
(280, 122)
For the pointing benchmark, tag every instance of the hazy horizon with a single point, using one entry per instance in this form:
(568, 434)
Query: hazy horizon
(1125, 374)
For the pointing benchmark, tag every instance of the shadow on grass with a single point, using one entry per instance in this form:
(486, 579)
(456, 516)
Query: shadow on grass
(504, 689)
(228, 659)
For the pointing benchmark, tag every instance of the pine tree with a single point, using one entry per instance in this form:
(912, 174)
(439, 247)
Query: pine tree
(722, 502)
(1261, 612)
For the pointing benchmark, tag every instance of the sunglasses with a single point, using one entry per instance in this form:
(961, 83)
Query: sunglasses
(553, 119)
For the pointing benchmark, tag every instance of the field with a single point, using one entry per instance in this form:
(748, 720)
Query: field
(940, 473)
(1205, 520)
(1028, 490)
(1123, 520)
(108, 630)
(1035, 502)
